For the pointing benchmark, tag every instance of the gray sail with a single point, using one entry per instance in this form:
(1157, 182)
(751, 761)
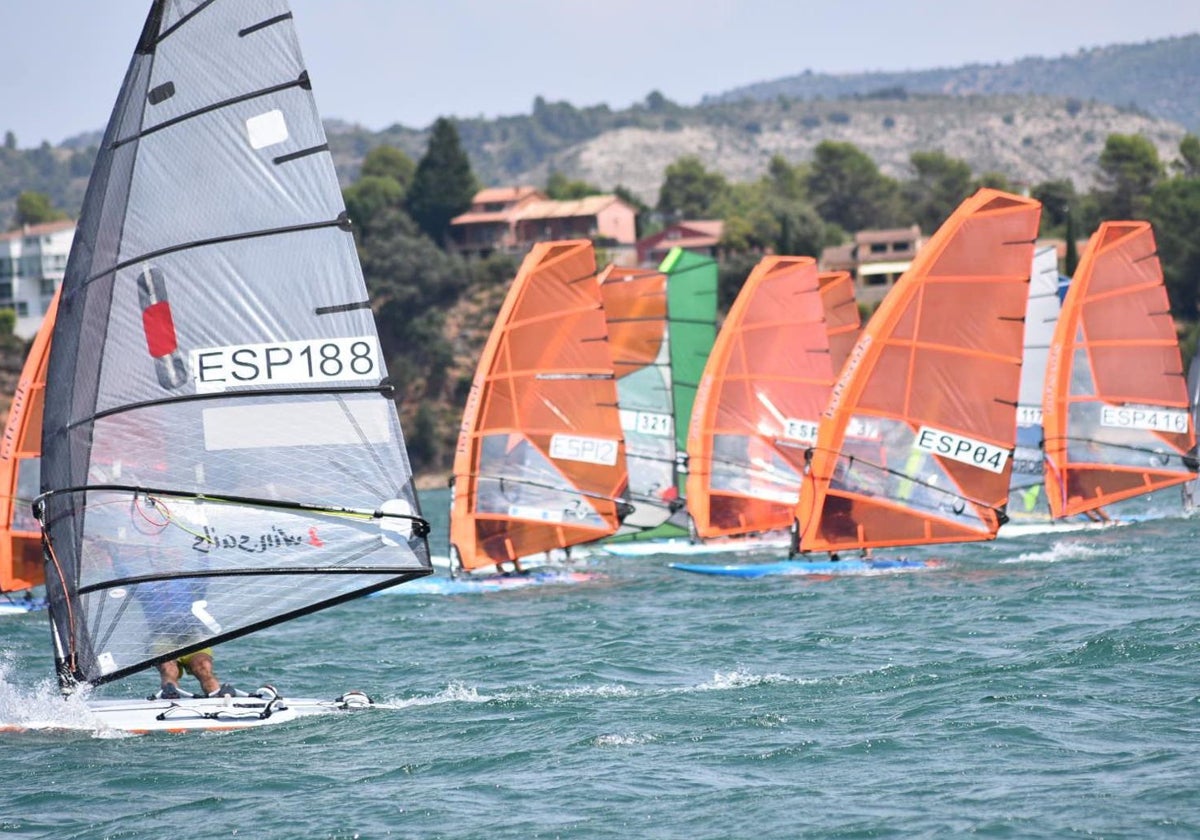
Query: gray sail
(1041, 315)
(220, 449)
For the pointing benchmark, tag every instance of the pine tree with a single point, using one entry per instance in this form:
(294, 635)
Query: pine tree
(443, 185)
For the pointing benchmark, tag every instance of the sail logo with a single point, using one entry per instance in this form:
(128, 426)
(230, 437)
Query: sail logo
(647, 423)
(802, 431)
(211, 540)
(1029, 415)
(217, 369)
(1145, 417)
(586, 450)
(848, 371)
(965, 450)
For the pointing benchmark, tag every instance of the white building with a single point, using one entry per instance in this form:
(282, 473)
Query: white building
(32, 262)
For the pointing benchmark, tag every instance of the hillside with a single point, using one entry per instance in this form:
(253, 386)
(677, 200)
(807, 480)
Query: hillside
(1158, 77)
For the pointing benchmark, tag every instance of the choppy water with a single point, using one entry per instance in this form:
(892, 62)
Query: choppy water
(1037, 687)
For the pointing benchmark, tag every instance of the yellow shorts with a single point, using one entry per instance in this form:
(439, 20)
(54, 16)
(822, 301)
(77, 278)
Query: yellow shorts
(185, 662)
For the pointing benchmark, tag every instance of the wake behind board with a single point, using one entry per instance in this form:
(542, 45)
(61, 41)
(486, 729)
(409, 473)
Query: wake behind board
(805, 567)
(469, 585)
(196, 714)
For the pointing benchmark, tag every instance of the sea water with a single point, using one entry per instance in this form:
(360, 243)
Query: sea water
(1042, 686)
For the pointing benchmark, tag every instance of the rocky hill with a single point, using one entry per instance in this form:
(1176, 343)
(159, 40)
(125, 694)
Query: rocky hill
(1028, 139)
(1158, 77)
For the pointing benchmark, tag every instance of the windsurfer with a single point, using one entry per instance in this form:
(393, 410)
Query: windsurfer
(175, 613)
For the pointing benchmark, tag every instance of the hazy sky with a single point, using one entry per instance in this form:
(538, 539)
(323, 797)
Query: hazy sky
(379, 62)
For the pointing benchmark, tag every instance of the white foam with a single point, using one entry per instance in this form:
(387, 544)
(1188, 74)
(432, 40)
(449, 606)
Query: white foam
(1058, 552)
(42, 706)
(624, 740)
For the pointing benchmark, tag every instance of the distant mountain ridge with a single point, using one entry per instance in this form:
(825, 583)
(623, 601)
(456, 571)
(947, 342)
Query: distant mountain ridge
(1033, 120)
(1160, 77)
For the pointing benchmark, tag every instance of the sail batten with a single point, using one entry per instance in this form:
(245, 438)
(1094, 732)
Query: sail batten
(197, 351)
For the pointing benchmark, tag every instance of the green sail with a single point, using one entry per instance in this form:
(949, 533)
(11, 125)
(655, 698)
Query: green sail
(692, 326)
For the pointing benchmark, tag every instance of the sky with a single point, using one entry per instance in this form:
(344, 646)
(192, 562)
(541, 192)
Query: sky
(381, 62)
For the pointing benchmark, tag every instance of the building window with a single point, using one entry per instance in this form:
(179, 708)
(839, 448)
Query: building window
(22, 309)
(878, 247)
(899, 247)
(46, 286)
(877, 279)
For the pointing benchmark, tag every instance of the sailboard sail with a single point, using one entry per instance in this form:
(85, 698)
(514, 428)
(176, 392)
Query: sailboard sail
(20, 467)
(765, 385)
(914, 445)
(1027, 497)
(221, 452)
(1115, 408)
(689, 330)
(540, 462)
(635, 307)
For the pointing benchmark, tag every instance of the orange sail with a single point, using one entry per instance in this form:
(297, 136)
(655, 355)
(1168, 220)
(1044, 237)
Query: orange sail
(1115, 408)
(915, 444)
(20, 468)
(540, 462)
(762, 393)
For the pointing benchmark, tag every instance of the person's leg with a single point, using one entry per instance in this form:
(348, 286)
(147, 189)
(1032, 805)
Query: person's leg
(200, 664)
(169, 673)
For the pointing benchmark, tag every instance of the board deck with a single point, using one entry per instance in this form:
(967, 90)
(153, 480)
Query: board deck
(196, 714)
(19, 607)
(467, 584)
(806, 567)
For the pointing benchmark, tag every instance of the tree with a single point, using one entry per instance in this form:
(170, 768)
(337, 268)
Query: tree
(34, 208)
(561, 188)
(389, 162)
(1173, 208)
(369, 196)
(443, 185)
(784, 180)
(1071, 260)
(10, 140)
(689, 191)
(1188, 164)
(1056, 197)
(939, 186)
(848, 190)
(1129, 170)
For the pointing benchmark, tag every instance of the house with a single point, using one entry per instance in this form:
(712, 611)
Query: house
(875, 259)
(700, 236)
(32, 263)
(512, 219)
(490, 224)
